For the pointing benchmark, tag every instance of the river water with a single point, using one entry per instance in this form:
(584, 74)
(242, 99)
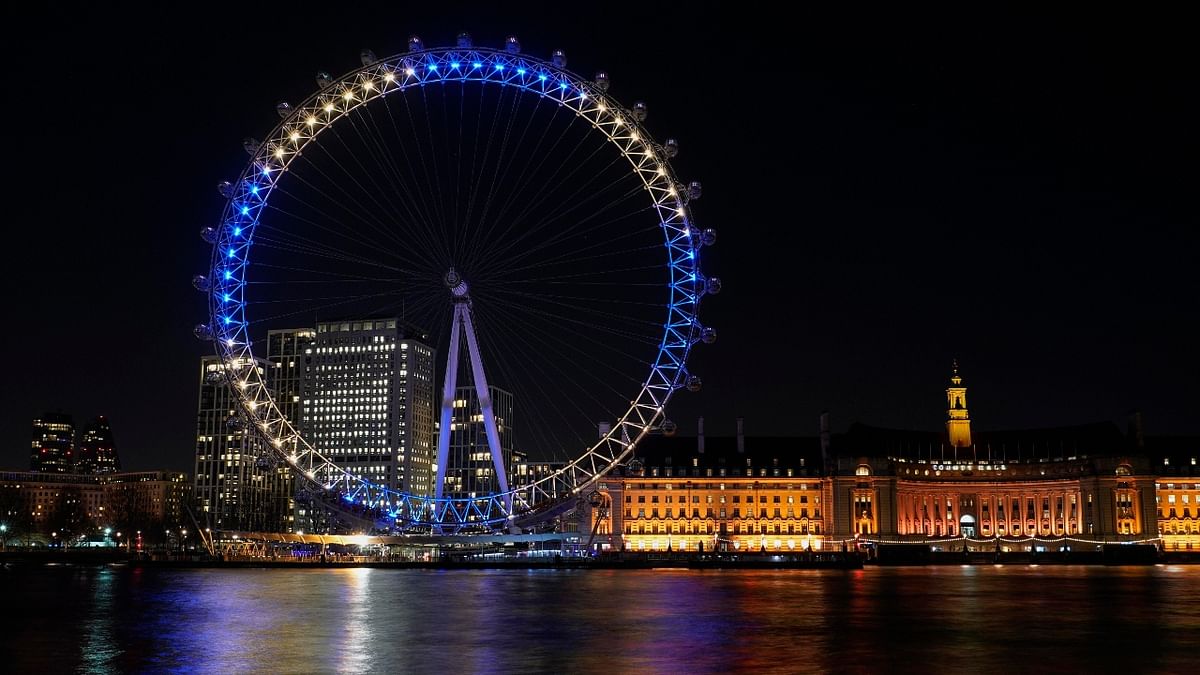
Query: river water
(932, 619)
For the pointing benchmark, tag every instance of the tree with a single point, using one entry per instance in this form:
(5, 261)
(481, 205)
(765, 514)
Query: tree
(15, 515)
(69, 517)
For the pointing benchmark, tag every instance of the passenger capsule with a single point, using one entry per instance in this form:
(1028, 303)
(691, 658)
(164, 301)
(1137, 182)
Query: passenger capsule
(201, 283)
(225, 188)
(708, 237)
(235, 423)
(708, 335)
(324, 79)
(214, 377)
(596, 499)
(512, 45)
(671, 147)
(251, 145)
(202, 331)
(209, 235)
(639, 111)
(602, 82)
(559, 58)
(367, 57)
(464, 40)
(712, 286)
(283, 108)
(635, 467)
(694, 190)
(669, 428)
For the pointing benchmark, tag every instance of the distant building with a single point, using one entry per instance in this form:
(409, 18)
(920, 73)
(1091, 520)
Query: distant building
(69, 505)
(470, 470)
(53, 447)
(238, 482)
(97, 452)
(368, 402)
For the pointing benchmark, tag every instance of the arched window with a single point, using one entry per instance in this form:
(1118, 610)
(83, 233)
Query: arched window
(862, 470)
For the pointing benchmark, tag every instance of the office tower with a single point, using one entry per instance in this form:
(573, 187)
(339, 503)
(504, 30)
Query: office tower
(289, 352)
(53, 447)
(238, 485)
(97, 452)
(368, 402)
(470, 470)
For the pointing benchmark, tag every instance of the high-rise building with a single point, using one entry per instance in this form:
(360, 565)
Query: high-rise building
(470, 470)
(289, 352)
(368, 402)
(97, 453)
(238, 486)
(53, 447)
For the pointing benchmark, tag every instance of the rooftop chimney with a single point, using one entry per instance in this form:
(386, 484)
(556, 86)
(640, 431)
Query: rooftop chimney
(741, 438)
(825, 439)
(700, 435)
(1135, 431)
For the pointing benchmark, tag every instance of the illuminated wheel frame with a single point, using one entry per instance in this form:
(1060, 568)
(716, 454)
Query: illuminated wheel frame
(303, 124)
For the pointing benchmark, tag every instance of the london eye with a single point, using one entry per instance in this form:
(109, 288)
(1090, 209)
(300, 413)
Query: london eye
(505, 211)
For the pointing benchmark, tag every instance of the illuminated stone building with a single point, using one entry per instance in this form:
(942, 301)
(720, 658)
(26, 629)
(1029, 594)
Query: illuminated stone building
(1087, 482)
(1175, 460)
(1048, 483)
(1059, 486)
(718, 493)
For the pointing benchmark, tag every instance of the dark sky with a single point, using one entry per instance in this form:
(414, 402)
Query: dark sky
(892, 190)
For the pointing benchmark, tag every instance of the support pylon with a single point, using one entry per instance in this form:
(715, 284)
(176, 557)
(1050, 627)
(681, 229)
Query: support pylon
(462, 323)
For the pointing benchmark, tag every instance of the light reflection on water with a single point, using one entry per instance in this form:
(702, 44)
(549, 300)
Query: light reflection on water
(972, 619)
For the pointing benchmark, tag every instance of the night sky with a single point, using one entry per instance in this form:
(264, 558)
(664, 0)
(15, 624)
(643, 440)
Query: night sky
(891, 190)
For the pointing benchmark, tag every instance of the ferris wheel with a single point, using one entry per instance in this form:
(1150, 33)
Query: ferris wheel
(515, 218)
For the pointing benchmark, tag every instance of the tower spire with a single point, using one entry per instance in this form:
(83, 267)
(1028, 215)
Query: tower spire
(958, 421)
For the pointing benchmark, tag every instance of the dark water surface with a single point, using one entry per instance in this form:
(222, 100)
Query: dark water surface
(933, 619)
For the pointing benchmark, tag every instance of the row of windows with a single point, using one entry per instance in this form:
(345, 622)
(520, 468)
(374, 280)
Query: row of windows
(722, 513)
(737, 499)
(740, 485)
(704, 528)
(682, 472)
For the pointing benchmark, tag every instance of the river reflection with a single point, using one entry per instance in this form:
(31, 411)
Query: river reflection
(972, 619)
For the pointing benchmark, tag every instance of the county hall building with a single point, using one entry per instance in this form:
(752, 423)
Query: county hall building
(1065, 486)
